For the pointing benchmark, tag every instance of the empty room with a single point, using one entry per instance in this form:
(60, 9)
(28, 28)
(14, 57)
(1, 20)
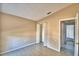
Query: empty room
(39, 29)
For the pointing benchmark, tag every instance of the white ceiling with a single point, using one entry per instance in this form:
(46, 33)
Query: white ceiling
(33, 11)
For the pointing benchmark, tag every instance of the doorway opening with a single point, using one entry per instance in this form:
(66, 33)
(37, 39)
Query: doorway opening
(41, 36)
(68, 36)
(41, 29)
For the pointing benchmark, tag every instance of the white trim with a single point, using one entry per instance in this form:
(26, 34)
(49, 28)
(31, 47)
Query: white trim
(48, 46)
(18, 48)
(60, 28)
(67, 19)
(76, 34)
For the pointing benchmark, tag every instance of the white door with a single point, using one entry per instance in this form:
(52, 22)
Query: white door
(77, 35)
(38, 33)
(43, 33)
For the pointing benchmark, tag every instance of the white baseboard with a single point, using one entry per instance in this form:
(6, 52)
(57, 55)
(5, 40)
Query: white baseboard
(53, 48)
(18, 48)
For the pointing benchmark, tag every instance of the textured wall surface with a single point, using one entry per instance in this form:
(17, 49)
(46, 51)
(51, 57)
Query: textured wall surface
(53, 23)
(16, 32)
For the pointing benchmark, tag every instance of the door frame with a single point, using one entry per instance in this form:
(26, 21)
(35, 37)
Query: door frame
(60, 20)
(77, 35)
(44, 25)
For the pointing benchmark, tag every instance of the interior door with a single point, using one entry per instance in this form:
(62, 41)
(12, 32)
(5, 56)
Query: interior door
(77, 35)
(44, 33)
(43, 28)
(38, 33)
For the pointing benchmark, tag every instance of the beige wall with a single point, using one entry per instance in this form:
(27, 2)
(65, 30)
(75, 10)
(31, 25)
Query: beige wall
(53, 23)
(16, 32)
